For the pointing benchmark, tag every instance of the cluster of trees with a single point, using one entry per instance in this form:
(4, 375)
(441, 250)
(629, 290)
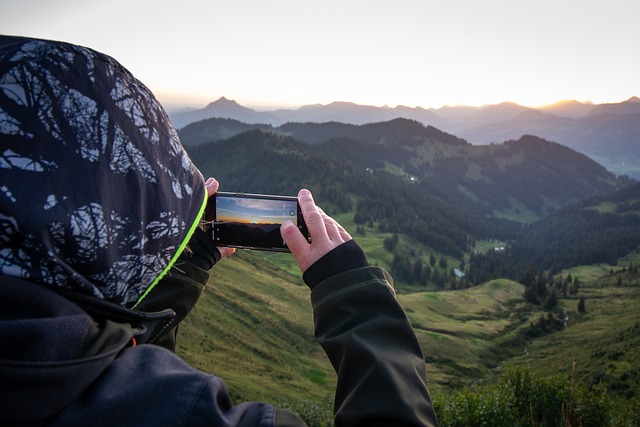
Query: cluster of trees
(582, 233)
(578, 241)
(545, 324)
(416, 269)
(406, 210)
(542, 289)
(491, 265)
(632, 270)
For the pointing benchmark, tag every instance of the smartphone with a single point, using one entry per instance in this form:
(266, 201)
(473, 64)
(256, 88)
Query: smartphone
(251, 221)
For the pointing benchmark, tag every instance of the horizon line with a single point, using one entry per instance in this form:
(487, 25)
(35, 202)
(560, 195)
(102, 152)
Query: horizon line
(274, 107)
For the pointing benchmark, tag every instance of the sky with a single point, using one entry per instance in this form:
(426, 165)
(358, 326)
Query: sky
(268, 54)
(254, 211)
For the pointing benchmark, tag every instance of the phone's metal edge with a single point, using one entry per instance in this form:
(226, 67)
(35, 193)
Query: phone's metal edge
(256, 248)
(257, 196)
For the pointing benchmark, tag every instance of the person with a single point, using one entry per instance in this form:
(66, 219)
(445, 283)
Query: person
(101, 257)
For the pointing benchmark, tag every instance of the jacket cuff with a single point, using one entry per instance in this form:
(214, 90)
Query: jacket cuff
(347, 256)
(201, 251)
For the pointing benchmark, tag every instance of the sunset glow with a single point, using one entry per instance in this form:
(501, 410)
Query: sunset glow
(254, 211)
(288, 53)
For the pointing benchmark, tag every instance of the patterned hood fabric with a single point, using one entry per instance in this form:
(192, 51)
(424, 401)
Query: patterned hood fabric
(96, 192)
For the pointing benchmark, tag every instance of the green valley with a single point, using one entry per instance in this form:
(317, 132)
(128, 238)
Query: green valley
(516, 263)
(253, 328)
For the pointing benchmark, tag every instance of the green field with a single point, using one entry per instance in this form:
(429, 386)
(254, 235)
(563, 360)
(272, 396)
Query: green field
(460, 330)
(253, 328)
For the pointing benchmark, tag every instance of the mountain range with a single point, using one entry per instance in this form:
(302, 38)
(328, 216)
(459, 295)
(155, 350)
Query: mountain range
(406, 178)
(608, 133)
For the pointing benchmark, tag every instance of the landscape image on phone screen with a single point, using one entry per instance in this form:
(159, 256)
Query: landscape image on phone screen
(252, 222)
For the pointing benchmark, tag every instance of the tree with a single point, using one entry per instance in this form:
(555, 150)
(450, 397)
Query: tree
(581, 305)
(443, 262)
(437, 278)
(541, 287)
(390, 242)
(575, 286)
(551, 301)
(426, 274)
(530, 295)
(528, 277)
(432, 260)
(401, 267)
(417, 271)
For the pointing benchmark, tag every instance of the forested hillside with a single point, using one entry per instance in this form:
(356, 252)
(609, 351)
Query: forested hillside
(407, 179)
(523, 180)
(600, 229)
(604, 229)
(267, 163)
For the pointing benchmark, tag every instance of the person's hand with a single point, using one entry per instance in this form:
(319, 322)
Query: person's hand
(212, 186)
(326, 234)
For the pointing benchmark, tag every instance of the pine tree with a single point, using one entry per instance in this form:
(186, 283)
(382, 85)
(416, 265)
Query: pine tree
(551, 301)
(417, 271)
(443, 262)
(581, 305)
(426, 274)
(530, 295)
(391, 242)
(575, 286)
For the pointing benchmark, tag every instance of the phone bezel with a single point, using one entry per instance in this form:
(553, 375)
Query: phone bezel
(211, 224)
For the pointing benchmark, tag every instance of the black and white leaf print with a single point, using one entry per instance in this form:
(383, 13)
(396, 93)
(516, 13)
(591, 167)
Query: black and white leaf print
(96, 191)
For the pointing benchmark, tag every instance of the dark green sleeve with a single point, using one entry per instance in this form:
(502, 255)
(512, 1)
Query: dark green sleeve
(371, 345)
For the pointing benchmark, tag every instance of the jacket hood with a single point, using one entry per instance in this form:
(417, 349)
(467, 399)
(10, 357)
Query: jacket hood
(96, 192)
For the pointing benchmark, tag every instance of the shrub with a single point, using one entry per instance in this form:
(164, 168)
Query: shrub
(522, 398)
(314, 413)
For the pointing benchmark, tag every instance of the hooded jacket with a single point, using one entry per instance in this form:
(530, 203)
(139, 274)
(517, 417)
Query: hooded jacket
(97, 202)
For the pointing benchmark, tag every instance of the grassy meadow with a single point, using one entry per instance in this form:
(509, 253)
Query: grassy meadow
(604, 341)
(253, 328)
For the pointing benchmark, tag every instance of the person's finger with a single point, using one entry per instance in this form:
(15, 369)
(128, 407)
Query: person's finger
(225, 251)
(335, 227)
(312, 217)
(212, 186)
(344, 233)
(332, 228)
(296, 242)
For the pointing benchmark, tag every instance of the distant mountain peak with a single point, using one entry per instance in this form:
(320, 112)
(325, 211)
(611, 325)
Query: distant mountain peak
(570, 102)
(569, 108)
(343, 104)
(223, 101)
(630, 106)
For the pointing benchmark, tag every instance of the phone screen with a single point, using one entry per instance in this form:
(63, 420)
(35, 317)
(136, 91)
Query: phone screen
(251, 221)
